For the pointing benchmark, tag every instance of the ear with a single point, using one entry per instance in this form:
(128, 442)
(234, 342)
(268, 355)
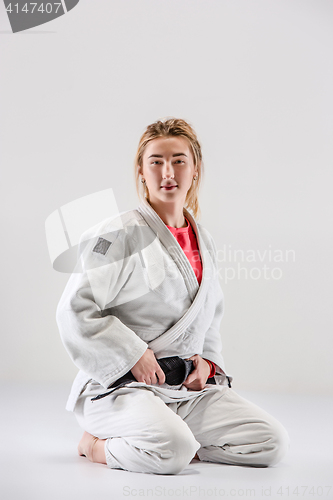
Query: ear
(139, 169)
(196, 170)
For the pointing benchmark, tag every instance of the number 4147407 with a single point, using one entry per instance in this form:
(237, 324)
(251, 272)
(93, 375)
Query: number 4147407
(48, 7)
(316, 491)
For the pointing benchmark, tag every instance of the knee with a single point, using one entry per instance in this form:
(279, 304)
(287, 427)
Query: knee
(279, 443)
(177, 449)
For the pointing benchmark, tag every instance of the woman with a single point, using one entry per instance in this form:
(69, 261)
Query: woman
(148, 300)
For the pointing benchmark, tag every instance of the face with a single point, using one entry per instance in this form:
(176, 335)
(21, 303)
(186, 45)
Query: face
(168, 169)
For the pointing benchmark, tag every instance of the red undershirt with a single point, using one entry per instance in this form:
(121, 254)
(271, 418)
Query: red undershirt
(188, 242)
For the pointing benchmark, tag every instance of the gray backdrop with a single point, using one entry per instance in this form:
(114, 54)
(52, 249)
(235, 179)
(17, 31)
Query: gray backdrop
(254, 78)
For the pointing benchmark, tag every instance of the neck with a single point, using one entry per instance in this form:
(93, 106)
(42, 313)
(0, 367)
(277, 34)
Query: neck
(170, 213)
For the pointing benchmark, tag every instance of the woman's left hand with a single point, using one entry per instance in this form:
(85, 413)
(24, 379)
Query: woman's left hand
(197, 379)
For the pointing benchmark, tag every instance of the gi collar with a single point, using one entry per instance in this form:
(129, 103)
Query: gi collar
(197, 293)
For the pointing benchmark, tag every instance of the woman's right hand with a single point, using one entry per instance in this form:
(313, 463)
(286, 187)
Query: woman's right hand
(147, 369)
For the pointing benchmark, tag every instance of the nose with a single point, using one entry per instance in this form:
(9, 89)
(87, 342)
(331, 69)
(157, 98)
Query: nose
(167, 171)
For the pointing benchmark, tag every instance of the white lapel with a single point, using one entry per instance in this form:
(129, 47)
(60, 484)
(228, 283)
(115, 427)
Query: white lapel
(197, 293)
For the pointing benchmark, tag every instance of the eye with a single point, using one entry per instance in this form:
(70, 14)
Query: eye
(155, 162)
(181, 161)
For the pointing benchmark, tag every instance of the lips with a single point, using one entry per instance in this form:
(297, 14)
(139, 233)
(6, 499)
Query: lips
(169, 186)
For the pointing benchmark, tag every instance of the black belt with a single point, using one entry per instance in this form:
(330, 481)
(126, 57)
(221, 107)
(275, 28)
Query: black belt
(176, 372)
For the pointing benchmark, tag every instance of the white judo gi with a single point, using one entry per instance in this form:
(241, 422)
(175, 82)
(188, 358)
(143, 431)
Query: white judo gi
(134, 288)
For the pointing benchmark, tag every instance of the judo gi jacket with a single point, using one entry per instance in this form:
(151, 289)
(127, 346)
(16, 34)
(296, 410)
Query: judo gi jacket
(133, 288)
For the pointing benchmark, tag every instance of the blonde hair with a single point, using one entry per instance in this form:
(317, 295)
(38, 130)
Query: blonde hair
(171, 127)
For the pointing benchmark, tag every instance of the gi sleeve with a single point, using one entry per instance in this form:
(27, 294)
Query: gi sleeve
(98, 342)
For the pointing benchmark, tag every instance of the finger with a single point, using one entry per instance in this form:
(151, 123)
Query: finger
(194, 357)
(194, 364)
(192, 376)
(161, 375)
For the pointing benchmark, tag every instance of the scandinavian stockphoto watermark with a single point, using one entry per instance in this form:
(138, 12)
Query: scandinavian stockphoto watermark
(235, 263)
(67, 225)
(254, 264)
(80, 220)
(194, 491)
(23, 15)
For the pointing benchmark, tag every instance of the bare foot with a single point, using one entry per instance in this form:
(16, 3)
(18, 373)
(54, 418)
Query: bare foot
(86, 444)
(92, 448)
(195, 458)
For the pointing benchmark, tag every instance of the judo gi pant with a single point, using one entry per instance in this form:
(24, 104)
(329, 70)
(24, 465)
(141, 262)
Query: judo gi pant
(145, 434)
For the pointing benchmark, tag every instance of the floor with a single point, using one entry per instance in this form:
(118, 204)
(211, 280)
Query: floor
(39, 460)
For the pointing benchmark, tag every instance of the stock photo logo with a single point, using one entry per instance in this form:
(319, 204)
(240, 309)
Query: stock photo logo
(24, 15)
(65, 226)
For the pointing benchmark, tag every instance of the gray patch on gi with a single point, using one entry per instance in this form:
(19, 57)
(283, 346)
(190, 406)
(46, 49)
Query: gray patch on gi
(102, 246)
